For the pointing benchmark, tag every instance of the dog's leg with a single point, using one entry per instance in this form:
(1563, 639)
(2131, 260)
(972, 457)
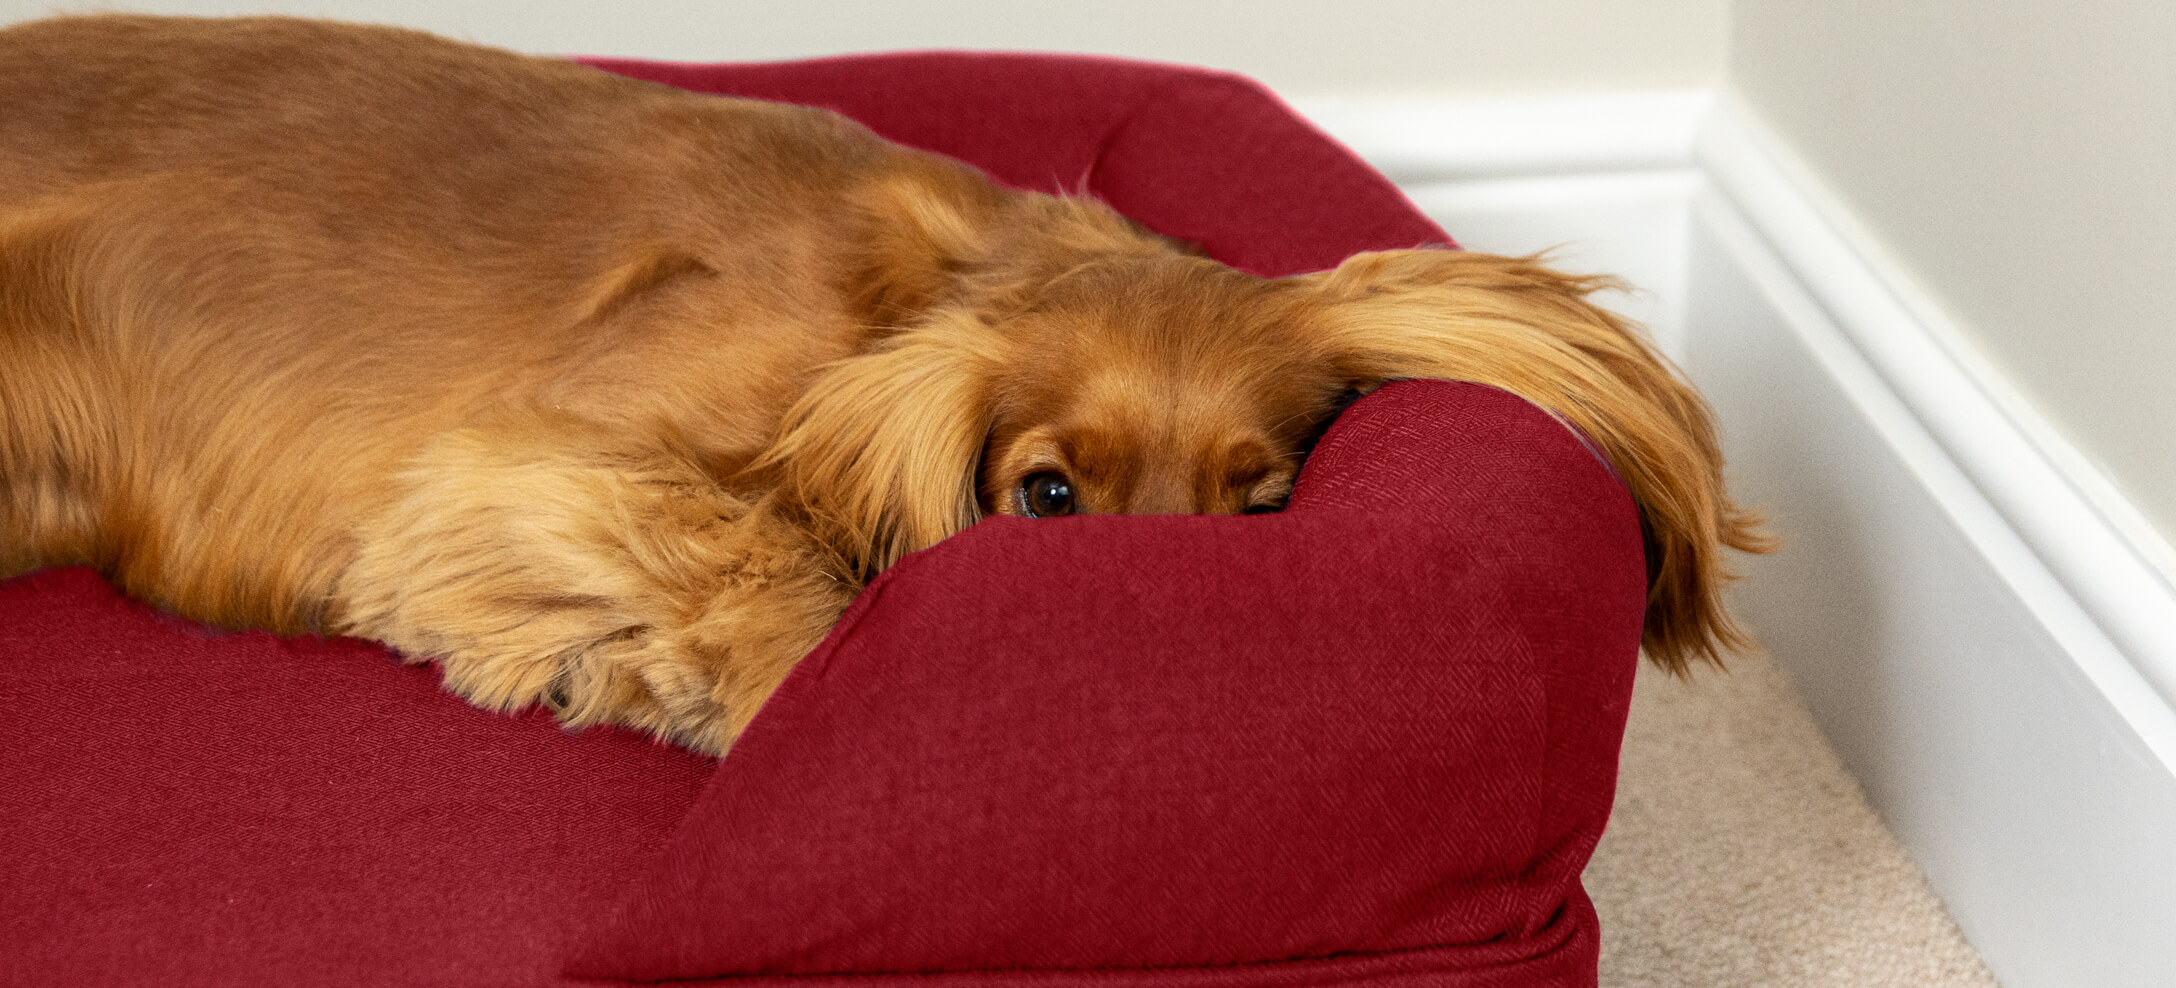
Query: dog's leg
(616, 586)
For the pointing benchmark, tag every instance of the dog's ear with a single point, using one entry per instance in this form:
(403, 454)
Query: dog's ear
(1514, 324)
(880, 453)
(935, 235)
(921, 228)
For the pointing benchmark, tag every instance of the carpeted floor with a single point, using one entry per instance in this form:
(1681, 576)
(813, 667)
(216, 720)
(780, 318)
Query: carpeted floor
(1740, 853)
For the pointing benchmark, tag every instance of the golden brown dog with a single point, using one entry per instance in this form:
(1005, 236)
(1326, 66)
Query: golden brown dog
(610, 396)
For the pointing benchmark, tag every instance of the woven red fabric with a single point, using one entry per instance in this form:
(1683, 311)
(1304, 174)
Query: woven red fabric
(1381, 722)
(185, 807)
(1372, 739)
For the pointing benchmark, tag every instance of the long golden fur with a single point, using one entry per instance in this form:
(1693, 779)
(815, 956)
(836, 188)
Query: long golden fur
(610, 396)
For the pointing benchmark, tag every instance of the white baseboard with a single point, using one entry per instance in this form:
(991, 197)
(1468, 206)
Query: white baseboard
(2001, 735)
(1984, 628)
(2112, 561)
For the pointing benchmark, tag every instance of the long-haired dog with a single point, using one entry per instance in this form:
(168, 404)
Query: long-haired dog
(610, 396)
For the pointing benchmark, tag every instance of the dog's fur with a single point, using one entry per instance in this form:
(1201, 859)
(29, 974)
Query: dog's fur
(610, 396)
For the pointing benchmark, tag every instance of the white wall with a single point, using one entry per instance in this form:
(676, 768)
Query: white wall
(2019, 161)
(1300, 47)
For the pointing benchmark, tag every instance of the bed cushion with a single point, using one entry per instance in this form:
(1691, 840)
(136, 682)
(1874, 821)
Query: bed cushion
(1370, 740)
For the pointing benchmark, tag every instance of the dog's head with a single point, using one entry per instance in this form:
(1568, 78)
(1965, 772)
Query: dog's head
(1146, 380)
(1161, 385)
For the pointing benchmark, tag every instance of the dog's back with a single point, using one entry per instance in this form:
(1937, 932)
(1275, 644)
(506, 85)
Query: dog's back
(248, 267)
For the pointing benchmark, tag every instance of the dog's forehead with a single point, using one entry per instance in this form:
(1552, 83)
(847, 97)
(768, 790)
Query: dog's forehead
(1170, 375)
(1199, 344)
(1153, 347)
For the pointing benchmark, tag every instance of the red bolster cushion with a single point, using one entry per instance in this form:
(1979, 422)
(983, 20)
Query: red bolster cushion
(1372, 737)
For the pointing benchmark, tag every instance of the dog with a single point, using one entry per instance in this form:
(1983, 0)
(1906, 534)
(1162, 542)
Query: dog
(324, 328)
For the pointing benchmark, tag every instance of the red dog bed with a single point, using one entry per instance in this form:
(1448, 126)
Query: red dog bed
(1369, 740)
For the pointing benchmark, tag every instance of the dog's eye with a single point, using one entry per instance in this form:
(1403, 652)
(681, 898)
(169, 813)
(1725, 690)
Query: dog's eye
(1046, 495)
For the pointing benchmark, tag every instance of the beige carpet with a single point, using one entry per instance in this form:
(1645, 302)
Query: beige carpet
(1740, 853)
